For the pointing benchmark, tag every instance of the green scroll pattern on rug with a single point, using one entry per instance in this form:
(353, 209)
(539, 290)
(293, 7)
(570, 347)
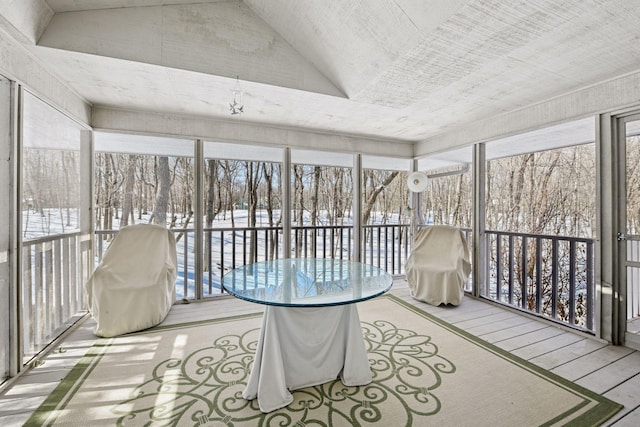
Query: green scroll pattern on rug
(205, 387)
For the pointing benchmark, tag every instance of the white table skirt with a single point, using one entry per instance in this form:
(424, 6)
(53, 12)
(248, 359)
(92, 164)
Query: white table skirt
(306, 346)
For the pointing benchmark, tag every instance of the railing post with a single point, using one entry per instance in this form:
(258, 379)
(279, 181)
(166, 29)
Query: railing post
(48, 289)
(539, 288)
(499, 267)
(306, 242)
(554, 278)
(406, 243)
(209, 239)
(590, 285)
(56, 287)
(511, 268)
(524, 276)
(75, 277)
(39, 300)
(324, 242)
(572, 282)
(27, 324)
(66, 279)
(185, 264)
(244, 246)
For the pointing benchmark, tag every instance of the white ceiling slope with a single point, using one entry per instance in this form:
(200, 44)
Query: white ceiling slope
(402, 70)
(222, 39)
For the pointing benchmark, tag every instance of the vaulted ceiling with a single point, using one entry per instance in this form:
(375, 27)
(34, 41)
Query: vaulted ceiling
(400, 70)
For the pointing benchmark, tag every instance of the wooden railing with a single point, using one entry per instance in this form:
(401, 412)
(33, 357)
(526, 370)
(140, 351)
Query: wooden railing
(52, 293)
(633, 276)
(385, 246)
(551, 276)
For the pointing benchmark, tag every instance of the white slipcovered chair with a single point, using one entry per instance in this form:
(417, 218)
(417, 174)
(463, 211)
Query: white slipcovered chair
(133, 288)
(439, 265)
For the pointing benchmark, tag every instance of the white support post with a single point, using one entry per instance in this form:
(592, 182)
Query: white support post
(9, 359)
(87, 226)
(198, 216)
(286, 202)
(479, 220)
(357, 208)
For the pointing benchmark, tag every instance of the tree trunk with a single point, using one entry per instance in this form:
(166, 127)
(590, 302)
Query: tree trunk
(252, 179)
(162, 194)
(371, 200)
(209, 213)
(268, 172)
(299, 214)
(127, 205)
(314, 207)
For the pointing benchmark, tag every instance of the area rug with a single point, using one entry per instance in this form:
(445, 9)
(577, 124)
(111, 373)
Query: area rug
(425, 372)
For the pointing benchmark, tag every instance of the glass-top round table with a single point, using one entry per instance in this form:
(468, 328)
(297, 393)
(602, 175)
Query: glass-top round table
(311, 332)
(307, 282)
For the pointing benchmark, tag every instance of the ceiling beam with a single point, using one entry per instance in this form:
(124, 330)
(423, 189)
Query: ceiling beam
(173, 125)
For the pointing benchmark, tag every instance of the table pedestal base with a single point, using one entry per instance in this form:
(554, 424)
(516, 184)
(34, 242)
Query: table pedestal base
(306, 346)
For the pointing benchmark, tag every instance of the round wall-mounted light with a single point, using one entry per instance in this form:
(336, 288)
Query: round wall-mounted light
(417, 182)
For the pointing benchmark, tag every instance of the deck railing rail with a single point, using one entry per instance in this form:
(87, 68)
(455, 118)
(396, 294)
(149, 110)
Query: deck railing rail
(550, 276)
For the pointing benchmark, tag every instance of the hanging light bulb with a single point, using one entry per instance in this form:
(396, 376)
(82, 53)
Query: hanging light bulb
(237, 103)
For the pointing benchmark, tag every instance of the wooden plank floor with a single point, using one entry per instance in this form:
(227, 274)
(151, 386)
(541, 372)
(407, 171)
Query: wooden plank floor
(608, 370)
